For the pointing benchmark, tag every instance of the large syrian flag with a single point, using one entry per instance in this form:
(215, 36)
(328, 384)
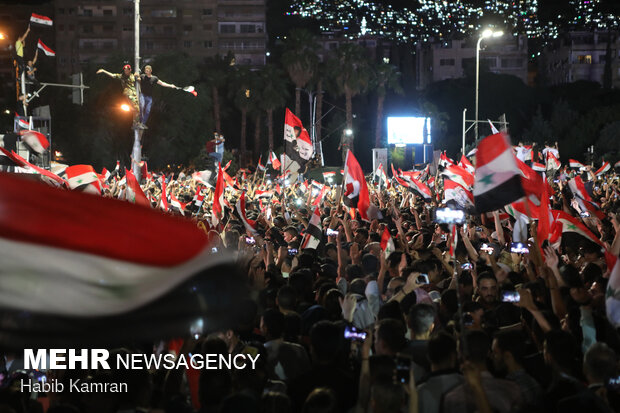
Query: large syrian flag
(134, 192)
(83, 178)
(497, 179)
(314, 233)
(249, 224)
(355, 187)
(552, 162)
(36, 141)
(84, 271)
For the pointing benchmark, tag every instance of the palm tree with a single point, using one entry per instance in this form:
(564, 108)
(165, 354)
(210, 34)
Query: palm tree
(242, 96)
(385, 77)
(273, 95)
(217, 69)
(350, 72)
(300, 60)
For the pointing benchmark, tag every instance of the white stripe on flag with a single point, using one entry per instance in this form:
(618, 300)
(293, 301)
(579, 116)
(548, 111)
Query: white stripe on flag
(501, 170)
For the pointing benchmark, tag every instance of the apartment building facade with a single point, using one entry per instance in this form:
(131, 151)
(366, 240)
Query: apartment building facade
(578, 56)
(449, 59)
(93, 30)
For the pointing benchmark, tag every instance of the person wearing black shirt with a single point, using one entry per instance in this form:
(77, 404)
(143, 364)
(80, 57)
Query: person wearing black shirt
(147, 81)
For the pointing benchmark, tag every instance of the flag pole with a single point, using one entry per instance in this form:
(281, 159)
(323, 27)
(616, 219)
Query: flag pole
(344, 177)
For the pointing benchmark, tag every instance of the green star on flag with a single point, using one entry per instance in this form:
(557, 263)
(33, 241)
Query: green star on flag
(487, 180)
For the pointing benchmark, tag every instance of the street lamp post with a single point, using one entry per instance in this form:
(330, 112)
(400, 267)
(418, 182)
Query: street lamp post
(136, 150)
(485, 34)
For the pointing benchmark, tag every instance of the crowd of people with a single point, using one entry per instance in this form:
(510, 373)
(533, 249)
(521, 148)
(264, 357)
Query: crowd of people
(398, 313)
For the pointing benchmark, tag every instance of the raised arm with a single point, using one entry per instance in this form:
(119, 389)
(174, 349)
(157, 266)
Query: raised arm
(164, 84)
(22, 38)
(105, 72)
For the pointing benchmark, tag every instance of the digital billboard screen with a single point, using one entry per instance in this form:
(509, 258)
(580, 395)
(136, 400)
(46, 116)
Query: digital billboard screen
(408, 130)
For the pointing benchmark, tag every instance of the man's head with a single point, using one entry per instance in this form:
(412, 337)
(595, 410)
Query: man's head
(272, 324)
(394, 286)
(487, 287)
(600, 364)
(476, 347)
(286, 298)
(361, 236)
(442, 352)
(389, 337)
(421, 320)
(127, 69)
(508, 350)
(290, 234)
(148, 70)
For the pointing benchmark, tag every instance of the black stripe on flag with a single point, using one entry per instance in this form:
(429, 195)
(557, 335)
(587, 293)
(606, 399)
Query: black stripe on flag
(499, 196)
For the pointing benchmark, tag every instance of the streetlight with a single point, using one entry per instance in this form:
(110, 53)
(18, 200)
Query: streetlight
(125, 107)
(484, 35)
(348, 132)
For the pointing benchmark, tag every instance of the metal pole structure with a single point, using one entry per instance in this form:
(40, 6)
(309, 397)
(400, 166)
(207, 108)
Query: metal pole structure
(477, 84)
(464, 130)
(24, 92)
(136, 153)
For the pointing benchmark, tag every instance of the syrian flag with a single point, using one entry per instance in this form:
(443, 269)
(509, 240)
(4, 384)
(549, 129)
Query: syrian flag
(319, 197)
(617, 165)
(35, 140)
(355, 188)
(497, 178)
(465, 164)
(304, 145)
(297, 144)
(458, 175)
(199, 198)
(260, 166)
(612, 296)
(604, 168)
(552, 162)
(387, 243)
(163, 199)
(22, 123)
(218, 198)
(419, 187)
(12, 159)
(46, 49)
(176, 204)
(227, 165)
(381, 176)
(263, 194)
(250, 225)
(314, 233)
(134, 193)
(538, 167)
(444, 160)
(189, 89)
(494, 130)
(575, 164)
(202, 177)
(83, 178)
(453, 191)
(273, 159)
(578, 188)
(40, 19)
(102, 272)
(328, 175)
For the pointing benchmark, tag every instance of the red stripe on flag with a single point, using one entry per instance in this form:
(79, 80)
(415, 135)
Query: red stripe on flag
(95, 225)
(489, 149)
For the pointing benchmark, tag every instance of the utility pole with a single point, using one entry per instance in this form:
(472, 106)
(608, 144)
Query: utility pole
(136, 154)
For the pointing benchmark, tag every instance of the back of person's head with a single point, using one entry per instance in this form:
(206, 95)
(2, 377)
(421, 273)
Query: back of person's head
(370, 264)
(391, 334)
(213, 387)
(591, 272)
(421, 318)
(239, 403)
(353, 272)
(442, 350)
(287, 297)
(561, 346)
(274, 402)
(387, 398)
(292, 327)
(301, 280)
(394, 259)
(325, 340)
(358, 286)
(513, 342)
(332, 304)
(305, 260)
(273, 321)
(450, 301)
(391, 309)
(600, 363)
(329, 271)
(571, 276)
(476, 346)
(321, 400)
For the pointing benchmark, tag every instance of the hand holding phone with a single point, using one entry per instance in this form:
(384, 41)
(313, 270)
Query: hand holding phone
(352, 333)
